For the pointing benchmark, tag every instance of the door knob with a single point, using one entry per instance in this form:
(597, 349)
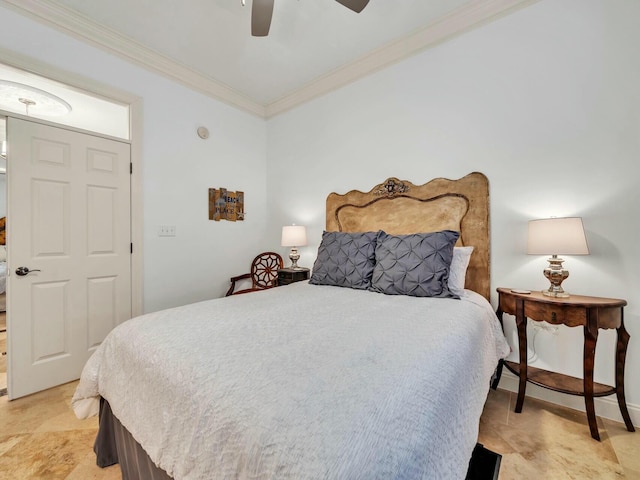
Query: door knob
(22, 271)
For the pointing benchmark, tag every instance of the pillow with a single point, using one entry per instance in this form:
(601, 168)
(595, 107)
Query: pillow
(458, 270)
(345, 260)
(416, 265)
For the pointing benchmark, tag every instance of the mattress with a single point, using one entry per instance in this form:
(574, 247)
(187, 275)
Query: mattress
(302, 382)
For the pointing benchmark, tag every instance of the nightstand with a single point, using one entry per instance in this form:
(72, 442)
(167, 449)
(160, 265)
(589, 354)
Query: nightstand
(290, 275)
(591, 313)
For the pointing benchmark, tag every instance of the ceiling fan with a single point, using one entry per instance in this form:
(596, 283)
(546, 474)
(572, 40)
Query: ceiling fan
(262, 11)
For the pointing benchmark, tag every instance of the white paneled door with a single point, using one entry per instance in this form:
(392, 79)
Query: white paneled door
(68, 246)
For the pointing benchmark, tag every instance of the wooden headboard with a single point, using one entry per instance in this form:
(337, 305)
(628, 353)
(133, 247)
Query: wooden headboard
(399, 207)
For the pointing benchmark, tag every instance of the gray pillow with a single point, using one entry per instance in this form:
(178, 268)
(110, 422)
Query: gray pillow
(345, 260)
(416, 265)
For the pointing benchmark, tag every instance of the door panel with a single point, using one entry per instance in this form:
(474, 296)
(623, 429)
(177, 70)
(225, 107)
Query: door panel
(101, 308)
(101, 205)
(69, 218)
(50, 335)
(50, 152)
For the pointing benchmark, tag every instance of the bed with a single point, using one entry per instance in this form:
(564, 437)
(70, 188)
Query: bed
(315, 380)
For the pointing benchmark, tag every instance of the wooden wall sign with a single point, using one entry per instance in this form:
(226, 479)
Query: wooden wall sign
(226, 205)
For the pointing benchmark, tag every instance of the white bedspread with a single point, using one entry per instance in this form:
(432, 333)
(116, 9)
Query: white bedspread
(302, 382)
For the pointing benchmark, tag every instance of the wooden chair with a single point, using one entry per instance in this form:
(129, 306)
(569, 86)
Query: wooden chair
(264, 273)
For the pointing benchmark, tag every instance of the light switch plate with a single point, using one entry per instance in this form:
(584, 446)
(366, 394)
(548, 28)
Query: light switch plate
(167, 231)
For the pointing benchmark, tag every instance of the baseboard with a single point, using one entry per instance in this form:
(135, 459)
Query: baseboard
(606, 407)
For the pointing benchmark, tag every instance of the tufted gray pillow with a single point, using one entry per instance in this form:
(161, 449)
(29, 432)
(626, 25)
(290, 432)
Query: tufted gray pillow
(416, 265)
(345, 260)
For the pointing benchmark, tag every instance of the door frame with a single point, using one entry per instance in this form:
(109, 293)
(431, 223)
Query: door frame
(135, 132)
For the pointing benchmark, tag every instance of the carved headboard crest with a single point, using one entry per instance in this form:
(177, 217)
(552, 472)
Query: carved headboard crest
(391, 187)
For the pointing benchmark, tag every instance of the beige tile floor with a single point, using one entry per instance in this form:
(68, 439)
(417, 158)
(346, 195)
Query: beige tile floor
(547, 441)
(40, 438)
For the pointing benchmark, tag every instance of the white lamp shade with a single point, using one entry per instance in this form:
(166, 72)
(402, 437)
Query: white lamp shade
(557, 236)
(294, 236)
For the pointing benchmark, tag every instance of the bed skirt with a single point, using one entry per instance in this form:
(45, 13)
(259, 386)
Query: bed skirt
(114, 444)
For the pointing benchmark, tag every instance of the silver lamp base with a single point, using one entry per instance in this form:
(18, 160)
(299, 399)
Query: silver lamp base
(294, 256)
(556, 275)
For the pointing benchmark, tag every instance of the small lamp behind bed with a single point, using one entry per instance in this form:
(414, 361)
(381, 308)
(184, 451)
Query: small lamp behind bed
(294, 236)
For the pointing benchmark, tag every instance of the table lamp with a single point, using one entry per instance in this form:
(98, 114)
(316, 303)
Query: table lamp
(556, 236)
(294, 236)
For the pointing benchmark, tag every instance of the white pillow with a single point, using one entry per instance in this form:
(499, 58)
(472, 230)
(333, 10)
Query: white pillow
(458, 269)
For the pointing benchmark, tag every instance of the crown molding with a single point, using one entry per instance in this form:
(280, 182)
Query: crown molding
(85, 29)
(464, 19)
(471, 15)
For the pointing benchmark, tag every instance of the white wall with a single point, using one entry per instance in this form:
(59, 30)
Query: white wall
(546, 103)
(178, 167)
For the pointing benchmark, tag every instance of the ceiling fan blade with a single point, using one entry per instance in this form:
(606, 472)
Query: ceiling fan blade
(355, 5)
(261, 13)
